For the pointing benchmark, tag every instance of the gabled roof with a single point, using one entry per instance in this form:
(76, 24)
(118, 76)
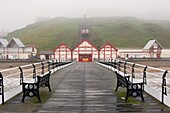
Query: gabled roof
(150, 43)
(109, 45)
(62, 44)
(4, 42)
(17, 41)
(85, 40)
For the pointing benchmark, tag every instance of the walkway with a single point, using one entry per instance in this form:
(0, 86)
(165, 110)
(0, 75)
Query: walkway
(83, 88)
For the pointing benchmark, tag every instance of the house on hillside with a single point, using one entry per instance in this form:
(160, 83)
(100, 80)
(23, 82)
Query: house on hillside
(3, 50)
(15, 49)
(31, 50)
(154, 48)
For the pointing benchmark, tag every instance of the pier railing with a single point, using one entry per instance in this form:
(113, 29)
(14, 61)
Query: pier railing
(11, 79)
(156, 81)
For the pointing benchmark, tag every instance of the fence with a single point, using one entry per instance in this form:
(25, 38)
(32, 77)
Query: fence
(156, 81)
(11, 79)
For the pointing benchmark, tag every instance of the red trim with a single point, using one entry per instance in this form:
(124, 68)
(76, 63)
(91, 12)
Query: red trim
(87, 42)
(109, 45)
(62, 44)
(105, 49)
(66, 49)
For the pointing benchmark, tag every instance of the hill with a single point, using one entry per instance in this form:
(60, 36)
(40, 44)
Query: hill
(127, 32)
(47, 35)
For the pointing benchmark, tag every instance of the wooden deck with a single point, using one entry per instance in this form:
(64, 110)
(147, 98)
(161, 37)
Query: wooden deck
(83, 88)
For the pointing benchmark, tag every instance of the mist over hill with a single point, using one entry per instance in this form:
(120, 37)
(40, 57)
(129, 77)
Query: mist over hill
(127, 32)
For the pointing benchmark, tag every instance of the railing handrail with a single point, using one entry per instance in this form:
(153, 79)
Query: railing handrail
(122, 65)
(30, 70)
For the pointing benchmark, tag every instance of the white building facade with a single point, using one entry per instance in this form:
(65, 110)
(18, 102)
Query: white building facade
(15, 49)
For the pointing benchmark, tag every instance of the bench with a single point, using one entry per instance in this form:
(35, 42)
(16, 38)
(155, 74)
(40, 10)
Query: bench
(132, 89)
(31, 89)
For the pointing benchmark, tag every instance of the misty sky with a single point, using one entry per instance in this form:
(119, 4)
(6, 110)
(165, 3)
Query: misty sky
(19, 13)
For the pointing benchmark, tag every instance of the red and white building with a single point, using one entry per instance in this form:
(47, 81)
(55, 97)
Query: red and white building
(85, 52)
(107, 51)
(154, 48)
(63, 53)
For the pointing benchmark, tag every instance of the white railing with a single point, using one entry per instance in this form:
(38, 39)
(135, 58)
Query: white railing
(13, 78)
(156, 81)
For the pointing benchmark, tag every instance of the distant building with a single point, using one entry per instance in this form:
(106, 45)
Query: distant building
(15, 49)
(154, 48)
(85, 52)
(31, 50)
(46, 55)
(3, 48)
(107, 51)
(63, 53)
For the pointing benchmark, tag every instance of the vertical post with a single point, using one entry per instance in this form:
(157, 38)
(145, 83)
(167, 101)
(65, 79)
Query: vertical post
(2, 87)
(21, 75)
(48, 65)
(53, 64)
(114, 64)
(164, 91)
(144, 75)
(133, 71)
(42, 72)
(125, 67)
(34, 72)
(119, 66)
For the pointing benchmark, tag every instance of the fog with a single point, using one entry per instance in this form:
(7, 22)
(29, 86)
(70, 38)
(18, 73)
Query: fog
(16, 14)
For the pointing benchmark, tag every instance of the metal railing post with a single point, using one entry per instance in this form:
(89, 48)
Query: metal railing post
(133, 71)
(164, 91)
(34, 72)
(119, 66)
(48, 65)
(125, 67)
(114, 64)
(2, 87)
(42, 72)
(144, 75)
(21, 75)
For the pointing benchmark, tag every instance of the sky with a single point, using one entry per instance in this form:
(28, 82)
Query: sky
(15, 14)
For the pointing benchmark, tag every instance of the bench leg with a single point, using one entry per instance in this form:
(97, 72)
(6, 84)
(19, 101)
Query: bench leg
(117, 86)
(48, 85)
(23, 97)
(127, 95)
(38, 96)
(141, 95)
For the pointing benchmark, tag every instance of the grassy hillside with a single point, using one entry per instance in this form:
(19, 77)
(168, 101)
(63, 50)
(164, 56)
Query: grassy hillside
(119, 31)
(129, 32)
(47, 35)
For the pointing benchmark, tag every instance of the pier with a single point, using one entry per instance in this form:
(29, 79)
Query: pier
(83, 87)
